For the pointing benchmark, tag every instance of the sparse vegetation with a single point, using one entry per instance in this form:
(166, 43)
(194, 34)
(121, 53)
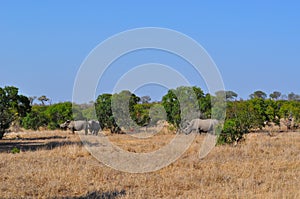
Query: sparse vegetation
(262, 167)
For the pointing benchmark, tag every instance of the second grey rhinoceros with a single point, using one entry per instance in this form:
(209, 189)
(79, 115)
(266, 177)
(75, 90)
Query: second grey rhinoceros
(94, 126)
(201, 125)
(77, 125)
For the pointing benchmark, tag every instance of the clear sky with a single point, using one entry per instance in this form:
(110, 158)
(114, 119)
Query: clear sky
(255, 44)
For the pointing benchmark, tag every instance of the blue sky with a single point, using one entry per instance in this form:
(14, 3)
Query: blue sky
(255, 44)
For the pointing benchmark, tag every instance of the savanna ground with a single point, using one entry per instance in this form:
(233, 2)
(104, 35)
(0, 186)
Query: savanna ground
(56, 165)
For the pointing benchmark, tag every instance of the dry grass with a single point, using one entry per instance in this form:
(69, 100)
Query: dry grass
(260, 167)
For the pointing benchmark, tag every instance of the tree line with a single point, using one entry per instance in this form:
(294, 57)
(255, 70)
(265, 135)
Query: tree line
(129, 111)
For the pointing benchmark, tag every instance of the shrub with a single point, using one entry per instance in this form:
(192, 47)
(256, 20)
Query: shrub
(15, 150)
(232, 132)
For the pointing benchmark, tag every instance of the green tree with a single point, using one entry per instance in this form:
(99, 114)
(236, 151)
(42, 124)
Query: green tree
(272, 111)
(204, 102)
(183, 104)
(157, 112)
(290, 108)
(172, 107)
(293, 97)
(104, 113)
(35, 118)
(231, 132)
(141, 114)
(257, 111)
(229, 95)
(123, 108)
(79, 111)
(43, 99)
(58, 113)
(49, 116)
(237, 123)
(258, 94)
(218, 106)
(12, 107)
(275, 95)
(89, 112)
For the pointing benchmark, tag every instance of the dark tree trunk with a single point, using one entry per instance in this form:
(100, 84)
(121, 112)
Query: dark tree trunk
(116, 130)
(1, 133)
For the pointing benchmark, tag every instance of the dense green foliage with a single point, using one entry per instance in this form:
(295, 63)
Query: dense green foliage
(186, 103)
(244, 116)
(12, 107)
(35, 119)
(48, 116)
(126, 111)
(121, 110)
(104, 113)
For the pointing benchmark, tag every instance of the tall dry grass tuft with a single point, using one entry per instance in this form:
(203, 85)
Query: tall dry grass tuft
(260, 167)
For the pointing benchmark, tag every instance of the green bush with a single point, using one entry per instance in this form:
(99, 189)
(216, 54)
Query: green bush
(35, 119)
(232, 131)
(47, 116)
(15, 150)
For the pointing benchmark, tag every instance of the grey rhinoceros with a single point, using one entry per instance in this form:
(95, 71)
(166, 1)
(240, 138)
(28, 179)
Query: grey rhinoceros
(201, 125)
(94, 126)
(77, 125)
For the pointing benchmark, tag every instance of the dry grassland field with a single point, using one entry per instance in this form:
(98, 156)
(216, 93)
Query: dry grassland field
(54, 164)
